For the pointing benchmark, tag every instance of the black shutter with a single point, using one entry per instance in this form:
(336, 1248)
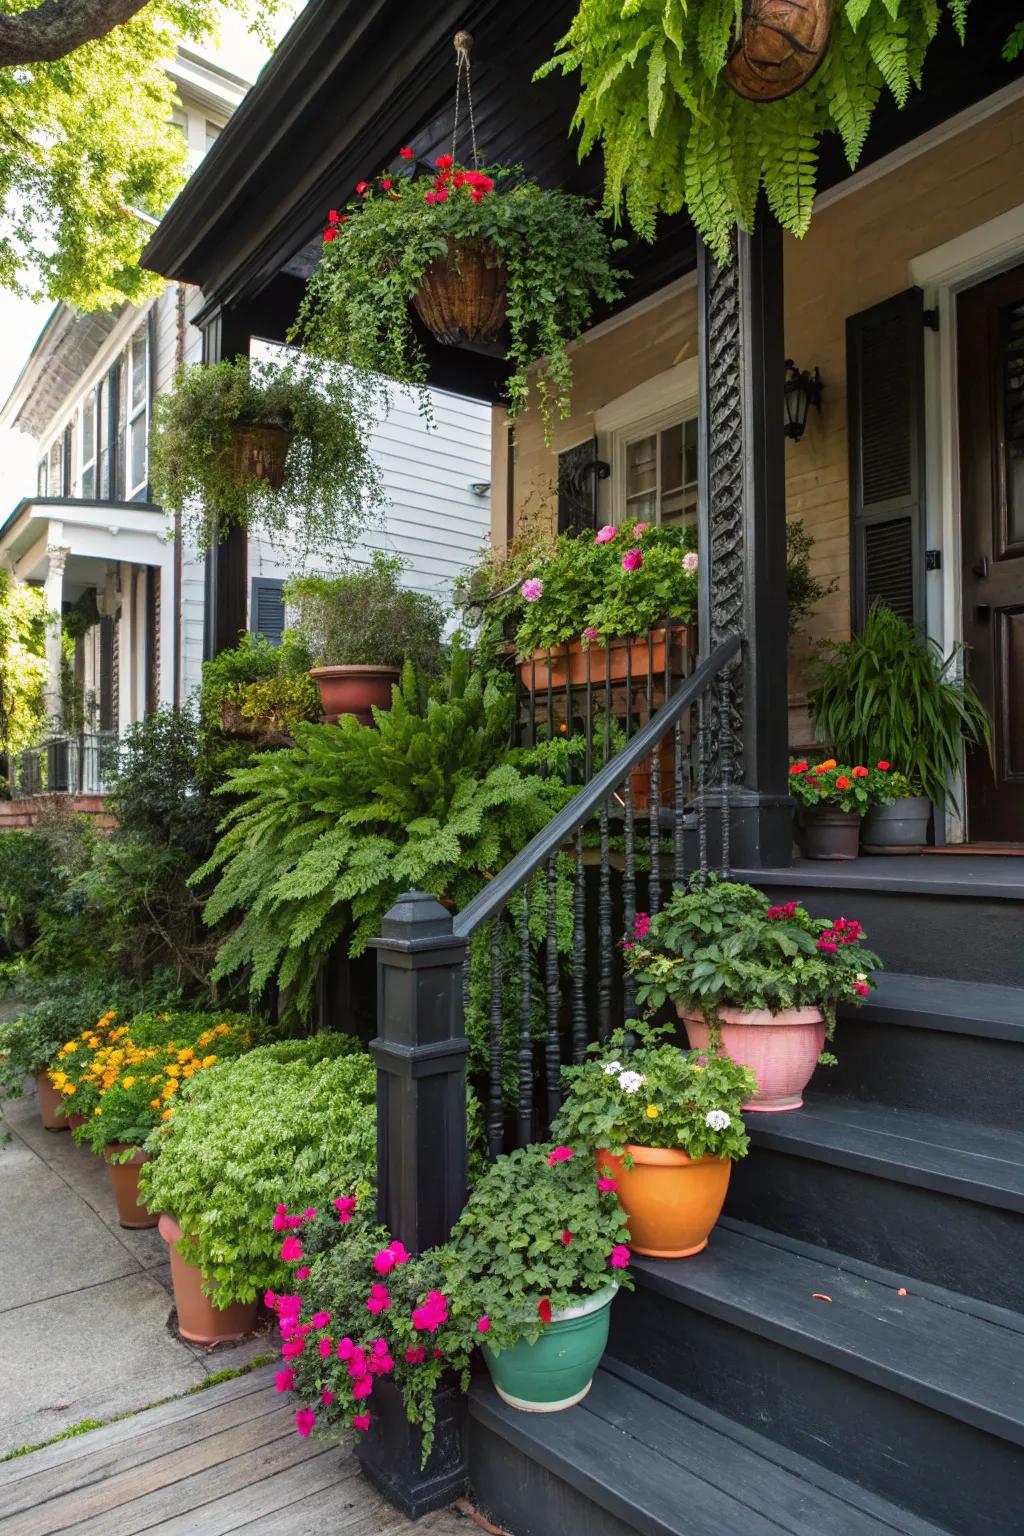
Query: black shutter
(66, 460)
(266, 608)
(579, 470)
(885, 401)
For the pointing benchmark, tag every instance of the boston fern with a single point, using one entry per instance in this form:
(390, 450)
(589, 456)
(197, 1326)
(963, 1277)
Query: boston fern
(555, 253)
(675, 135)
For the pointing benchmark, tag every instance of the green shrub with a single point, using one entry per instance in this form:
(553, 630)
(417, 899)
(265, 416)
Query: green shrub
(293, 1124)
(368, 618)
(251, 696)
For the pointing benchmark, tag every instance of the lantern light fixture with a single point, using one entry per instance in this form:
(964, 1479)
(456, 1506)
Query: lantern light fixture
(802, 390)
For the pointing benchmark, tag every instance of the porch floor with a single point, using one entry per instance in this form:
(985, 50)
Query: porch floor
(223, 1460)
(974, 874)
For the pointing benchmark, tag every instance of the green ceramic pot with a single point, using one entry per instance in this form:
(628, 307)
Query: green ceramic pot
(557, 1370)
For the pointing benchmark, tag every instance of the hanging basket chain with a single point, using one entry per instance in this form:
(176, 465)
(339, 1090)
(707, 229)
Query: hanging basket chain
(463, 45)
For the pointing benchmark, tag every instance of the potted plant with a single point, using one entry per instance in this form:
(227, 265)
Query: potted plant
(757, 981)
(898, 824)
(292, 1117)
(78, 1067)
(141, 1077)
(665, 1128)
(247, 443)
(473, 250)
(832, 798)
(887, 695)
(360, 629)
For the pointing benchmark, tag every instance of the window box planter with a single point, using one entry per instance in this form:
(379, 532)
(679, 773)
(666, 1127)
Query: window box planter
(781, 1049)
(354, 690)
(671, 1201)
(556, 1371)
(124, 1178)
(50, 1103)
(463, 295)
(827, 832)
(629, 657)
(198, 1319)
(901, 827)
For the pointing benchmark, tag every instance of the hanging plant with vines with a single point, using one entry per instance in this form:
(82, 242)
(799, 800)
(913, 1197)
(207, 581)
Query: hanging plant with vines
(700, 105)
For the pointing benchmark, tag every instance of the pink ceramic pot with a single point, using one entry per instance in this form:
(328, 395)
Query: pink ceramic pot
(781, 1049)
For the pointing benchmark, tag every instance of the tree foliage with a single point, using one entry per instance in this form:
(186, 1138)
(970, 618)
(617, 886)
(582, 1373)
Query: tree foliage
(22, 661)
(675, 135)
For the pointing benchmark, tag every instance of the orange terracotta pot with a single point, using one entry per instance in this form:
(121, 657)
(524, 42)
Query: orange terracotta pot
(198, 1318)
(351, 690)
(620, 659)
(124, 1178)
(74, 1121)
(671, 1201)
(49, 1104)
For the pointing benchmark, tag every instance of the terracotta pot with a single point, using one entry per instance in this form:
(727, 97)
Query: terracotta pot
(829, 833)
(354, 690)
(50, 1102)
(259, 453)
(671, 1201)
(629, 657)
(781, 1049)
(74, 1121)
(198, 1318)
(463, 295)
(124, 1178)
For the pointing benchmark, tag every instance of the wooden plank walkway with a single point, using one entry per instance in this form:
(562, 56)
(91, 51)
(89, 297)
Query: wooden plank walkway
(224, 1460)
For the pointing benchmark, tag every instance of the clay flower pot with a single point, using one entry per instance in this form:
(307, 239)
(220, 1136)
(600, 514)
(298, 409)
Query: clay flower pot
(354, 690)
(829, 833)
(618, 660)
(124, 1178)
(670, 1200)
(74, 1121)
(198, 1319)
(781, 1049)
(556, 1371)
(50, 1102)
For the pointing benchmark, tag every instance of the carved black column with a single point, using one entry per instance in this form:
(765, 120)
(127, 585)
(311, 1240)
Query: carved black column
(742, 526)
(226, 334)
(421, 1053)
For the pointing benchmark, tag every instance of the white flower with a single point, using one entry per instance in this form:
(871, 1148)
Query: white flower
(629, 1082)
(717, 1120)
(689, 562)
(862, 975)
(611, 1067)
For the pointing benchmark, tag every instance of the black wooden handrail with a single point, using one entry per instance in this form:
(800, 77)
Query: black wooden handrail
(582, 807)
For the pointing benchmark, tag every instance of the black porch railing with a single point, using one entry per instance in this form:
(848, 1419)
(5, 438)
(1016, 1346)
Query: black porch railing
(65, 765)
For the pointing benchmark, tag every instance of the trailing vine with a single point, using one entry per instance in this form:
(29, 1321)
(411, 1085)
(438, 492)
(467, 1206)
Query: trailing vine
(676, 136)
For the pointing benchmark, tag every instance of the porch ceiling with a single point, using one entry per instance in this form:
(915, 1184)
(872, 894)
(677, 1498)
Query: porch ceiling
(356, 79)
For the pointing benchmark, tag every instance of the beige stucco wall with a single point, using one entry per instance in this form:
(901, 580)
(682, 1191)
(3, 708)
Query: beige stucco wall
(857, 253)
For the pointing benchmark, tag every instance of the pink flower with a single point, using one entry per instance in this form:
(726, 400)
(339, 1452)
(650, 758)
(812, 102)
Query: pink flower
(827, 945)
(362, 1388)
(620, 1256)
(305, 1418)
(690, 562)
(289, 1306)
(326, 1348)
(483, 1324)
(327, 1397)
(308, 1214)
(345, 1205)
(381, 1364)
(415, 1356)
(284, 1380)
(361, 1421)
(384, 1262)
(590, 633)
(641, 925)
(429, 197)
(607, 1186)
(605, 535)
(639, 528)
(632, 560)
(379, 1299)
(532, 589)
(321, 1319)
(292, 1348)
(560, 1155)
(291, 1249)
(401, 1253)
(280, 1222)
(303, 1273)
(269, 1300)
(432, 1313)
(345, 1349)
(566, 1238)
(861, 988)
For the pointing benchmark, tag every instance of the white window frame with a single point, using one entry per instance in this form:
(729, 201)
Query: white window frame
(86, 451)
(663, 401)
(134, 413)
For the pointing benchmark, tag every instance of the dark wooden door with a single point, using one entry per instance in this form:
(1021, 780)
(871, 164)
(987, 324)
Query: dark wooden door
(990, 345)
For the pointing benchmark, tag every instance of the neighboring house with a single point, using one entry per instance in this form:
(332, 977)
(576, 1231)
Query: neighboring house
(89, 534)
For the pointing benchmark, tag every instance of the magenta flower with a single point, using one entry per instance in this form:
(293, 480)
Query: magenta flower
(303, 1273)
(292, 1348)
(291, 1249)
(690, 562)
(379, 1299)
(416, 1356)
(362, 1420)
(429, 1316)
(620, 1256)
(827, 946)
(560, 1155)
(605, 535)
(269, 1300)
(483, 1324)
(639, 528)
(381, 1365)
(326, 1348)
(327, 1397)
(280, 1222)
(590, 633)
(362, 1388)
(607, 1186)
(384, 1262)
(400, 1252)
(321, 1319)
(566, 1238)
(345, 1349)
(305, 1418)
(345, 1205)
(532, 589)
(632, 560)
(861, 988)
(641, 925)
(284, 1380)
(308, 1214)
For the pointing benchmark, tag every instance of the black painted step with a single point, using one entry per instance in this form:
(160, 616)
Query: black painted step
(919, 1398)
(958, 916)
(936, 1198)
(638, 1457)
(950, 1048)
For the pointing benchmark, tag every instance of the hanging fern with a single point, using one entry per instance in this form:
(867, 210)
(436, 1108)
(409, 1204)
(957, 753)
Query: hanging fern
(675, 135)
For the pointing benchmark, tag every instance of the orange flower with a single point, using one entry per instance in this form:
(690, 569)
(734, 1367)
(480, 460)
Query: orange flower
(829, 763)
(860, 773)
(843, 782)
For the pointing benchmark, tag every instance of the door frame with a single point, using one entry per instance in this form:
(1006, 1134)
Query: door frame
(943, 273)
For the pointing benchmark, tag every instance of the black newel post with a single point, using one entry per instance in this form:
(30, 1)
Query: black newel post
(420, 1052)
(742, 527)
(226, 334)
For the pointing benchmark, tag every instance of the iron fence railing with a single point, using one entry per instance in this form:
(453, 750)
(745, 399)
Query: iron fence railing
(65, 765)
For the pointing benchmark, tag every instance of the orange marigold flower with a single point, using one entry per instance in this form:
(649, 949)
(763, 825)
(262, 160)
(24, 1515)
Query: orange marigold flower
(843, 782)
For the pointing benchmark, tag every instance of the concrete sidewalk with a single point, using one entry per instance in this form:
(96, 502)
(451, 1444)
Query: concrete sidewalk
(84, 1304)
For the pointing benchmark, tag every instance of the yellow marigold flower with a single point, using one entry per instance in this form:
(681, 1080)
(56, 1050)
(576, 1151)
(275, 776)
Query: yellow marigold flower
(172, 1071)
(72, 1045)
(168, 1112)
(169, 1091)
(127, 1082)
(154, 1103)
(97, 1110)
(189, 1071)
(208, 1061)
(653, 1111)
(68, 1088)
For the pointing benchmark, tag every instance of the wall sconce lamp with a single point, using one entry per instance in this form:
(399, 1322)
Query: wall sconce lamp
(802, 390)
(480, 488)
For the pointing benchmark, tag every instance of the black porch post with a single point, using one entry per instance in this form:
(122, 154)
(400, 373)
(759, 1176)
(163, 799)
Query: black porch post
(742, 524)
(421, 1053)
(226, 334)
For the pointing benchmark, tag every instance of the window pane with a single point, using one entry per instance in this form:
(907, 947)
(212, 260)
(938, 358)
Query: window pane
(671, 458)
(41, 478)
(641, 467)
(139, 358)
(137, 471)
(104, 474)
(89, 428)
(56, 457)
(89, 482)
(690, 451)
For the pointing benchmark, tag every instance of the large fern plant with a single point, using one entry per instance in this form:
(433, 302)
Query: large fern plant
(675, 135)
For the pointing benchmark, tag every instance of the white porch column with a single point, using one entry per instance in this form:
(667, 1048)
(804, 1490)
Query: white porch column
(126, 713)
(53, 589)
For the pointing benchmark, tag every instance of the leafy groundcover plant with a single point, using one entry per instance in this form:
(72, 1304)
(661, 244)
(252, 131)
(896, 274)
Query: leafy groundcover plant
(539, 1232)
(726, 945)
(367, 618)
(848, 787)
(640, 1089)
(556, 255)
(286, 1122)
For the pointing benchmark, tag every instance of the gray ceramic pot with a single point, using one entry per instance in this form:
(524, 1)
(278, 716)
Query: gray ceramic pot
(897, 827)
(829, 833)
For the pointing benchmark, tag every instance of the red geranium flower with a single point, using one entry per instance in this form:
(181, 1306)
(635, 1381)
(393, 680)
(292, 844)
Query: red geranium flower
(444, 162)
(362, 187)
(544, 1310)
(884, 767)
(860, 773)
(843, 782)
(407, 153)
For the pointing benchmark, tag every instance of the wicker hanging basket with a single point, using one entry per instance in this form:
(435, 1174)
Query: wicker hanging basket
(463, 295)
(260, 453)
(781, 44)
